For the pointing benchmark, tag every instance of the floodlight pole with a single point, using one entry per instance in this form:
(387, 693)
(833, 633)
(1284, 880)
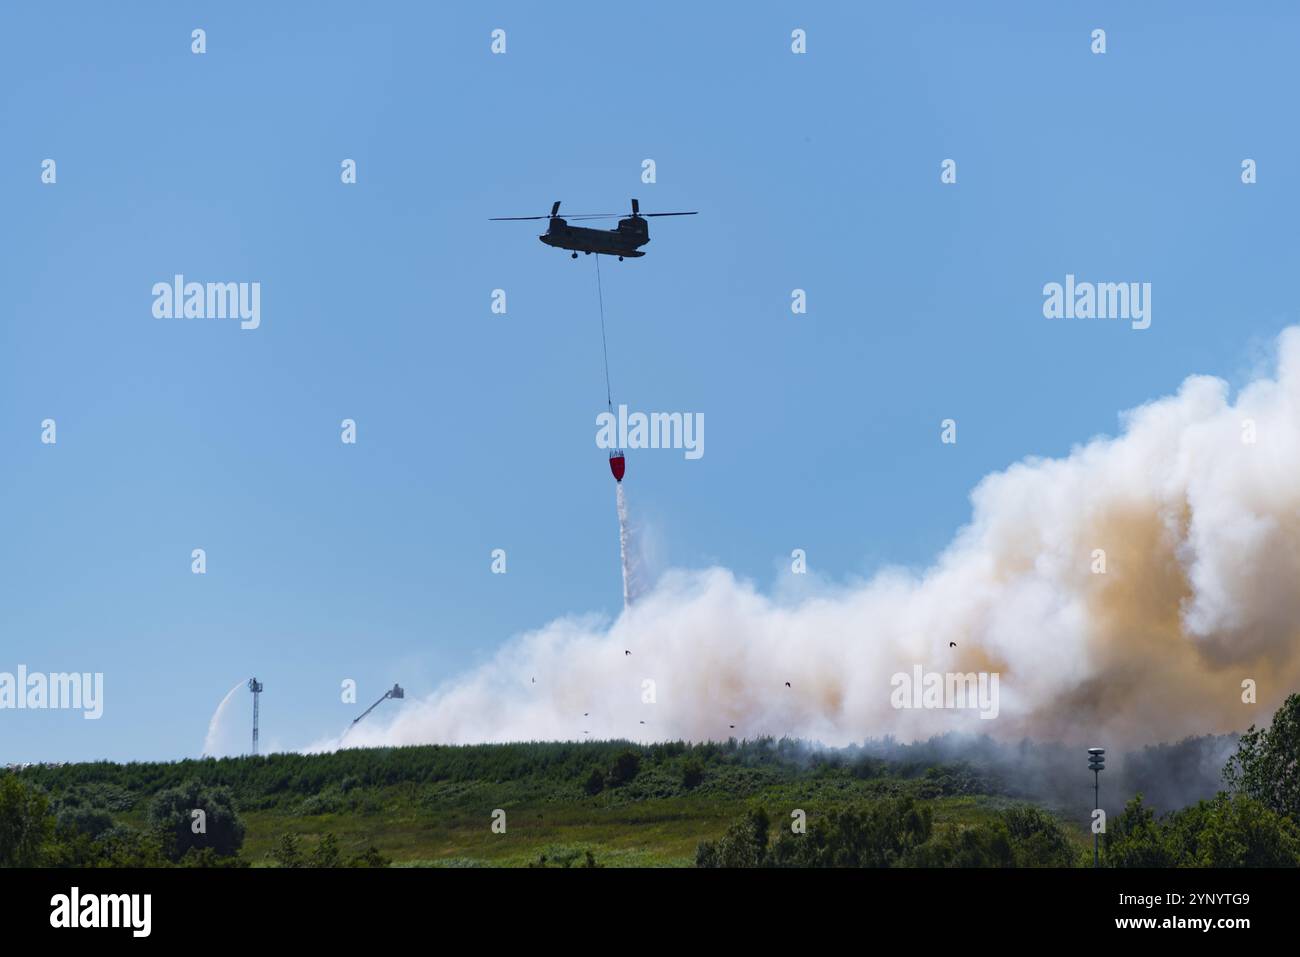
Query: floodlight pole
(255, 686)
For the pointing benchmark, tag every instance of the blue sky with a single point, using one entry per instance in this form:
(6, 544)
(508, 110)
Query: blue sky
(476, 431)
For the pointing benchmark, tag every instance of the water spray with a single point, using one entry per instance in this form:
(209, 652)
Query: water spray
(627, 552)
(211, 741)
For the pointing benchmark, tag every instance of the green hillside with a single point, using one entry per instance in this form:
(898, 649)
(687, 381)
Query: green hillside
(940, 803)
(433, 805)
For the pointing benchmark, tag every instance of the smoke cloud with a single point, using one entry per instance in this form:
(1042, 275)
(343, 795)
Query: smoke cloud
(1196, 506)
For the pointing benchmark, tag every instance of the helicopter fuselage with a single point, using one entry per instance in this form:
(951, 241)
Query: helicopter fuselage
(631, 234)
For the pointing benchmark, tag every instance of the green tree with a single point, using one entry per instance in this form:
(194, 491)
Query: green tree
(26, 824)
(743, 845)
(692, 773)
(82, 809)
(881, 834)
(326, 853)
(287, 852)
(625, 769)
(171, 815)
(1266, 766)
(981, 845)
(1136, 839)
(1037, 838)
(207, 857)
(1233, 831)
(94, 822)
(370, 857)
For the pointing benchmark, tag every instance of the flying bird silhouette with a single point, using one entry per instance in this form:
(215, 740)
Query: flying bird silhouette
(952, 644)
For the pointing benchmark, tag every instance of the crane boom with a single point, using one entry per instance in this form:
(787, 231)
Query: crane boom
(394, 692)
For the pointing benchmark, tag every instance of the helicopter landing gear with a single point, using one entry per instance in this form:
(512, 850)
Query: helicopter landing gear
(575, 256)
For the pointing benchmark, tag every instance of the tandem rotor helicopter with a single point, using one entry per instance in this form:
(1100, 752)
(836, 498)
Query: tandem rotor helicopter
(632, 232)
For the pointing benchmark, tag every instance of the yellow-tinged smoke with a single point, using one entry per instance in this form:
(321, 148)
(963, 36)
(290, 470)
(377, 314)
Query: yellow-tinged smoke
(1196, 506)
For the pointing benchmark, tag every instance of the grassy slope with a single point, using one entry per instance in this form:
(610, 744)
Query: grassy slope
(438, 826)
(653, 821)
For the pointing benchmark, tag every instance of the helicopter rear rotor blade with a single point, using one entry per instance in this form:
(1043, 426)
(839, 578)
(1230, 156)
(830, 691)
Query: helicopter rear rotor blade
(577, 216)
(497, 219)
(625, 215)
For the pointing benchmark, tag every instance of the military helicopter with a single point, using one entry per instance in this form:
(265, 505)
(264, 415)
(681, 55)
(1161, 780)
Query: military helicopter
(632, 233)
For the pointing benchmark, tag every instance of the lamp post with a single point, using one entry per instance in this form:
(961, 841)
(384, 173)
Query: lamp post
(1096, 764)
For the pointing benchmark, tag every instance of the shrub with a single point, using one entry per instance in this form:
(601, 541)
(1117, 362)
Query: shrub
(171, 816)
(692, 773)
(625, 769)
(25, 823)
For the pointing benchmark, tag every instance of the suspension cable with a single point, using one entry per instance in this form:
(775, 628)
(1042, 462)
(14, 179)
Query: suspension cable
(604, 348)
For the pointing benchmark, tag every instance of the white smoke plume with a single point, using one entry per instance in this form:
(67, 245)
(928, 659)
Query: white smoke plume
(1201, 532)
(627, 553)
(218, 742)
